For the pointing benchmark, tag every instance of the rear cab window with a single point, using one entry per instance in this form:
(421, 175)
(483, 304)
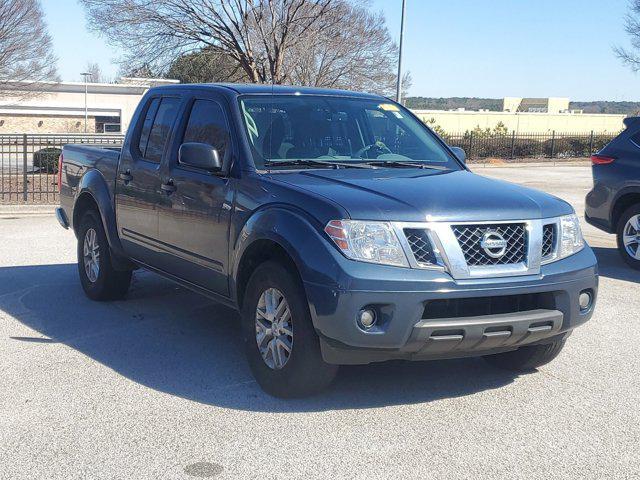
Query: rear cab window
(159, 118)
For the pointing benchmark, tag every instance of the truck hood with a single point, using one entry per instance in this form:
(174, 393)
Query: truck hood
(412, 195)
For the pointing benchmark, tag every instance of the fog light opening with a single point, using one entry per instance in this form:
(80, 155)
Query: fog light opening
(585, 300)
(367, 318)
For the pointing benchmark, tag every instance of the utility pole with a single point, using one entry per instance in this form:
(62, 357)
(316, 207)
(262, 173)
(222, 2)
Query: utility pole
(399, 82)
(86, 76)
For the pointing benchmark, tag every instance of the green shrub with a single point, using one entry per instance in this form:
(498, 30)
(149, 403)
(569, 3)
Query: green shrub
(46, 160)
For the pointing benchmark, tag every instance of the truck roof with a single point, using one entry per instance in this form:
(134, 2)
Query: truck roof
(266, 89)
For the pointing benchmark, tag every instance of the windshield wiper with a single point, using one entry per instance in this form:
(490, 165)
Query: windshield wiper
(393, 163)
(314, 162)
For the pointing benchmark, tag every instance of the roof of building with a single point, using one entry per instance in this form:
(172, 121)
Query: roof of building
(126, 85)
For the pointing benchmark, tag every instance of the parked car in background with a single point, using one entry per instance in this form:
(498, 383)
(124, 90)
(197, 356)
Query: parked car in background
(613, 205)
(341, 228)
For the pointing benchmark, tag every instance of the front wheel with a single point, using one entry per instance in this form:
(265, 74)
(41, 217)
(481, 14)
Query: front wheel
(100, 281)
(526, 358)
(282, 346)
(628, 236)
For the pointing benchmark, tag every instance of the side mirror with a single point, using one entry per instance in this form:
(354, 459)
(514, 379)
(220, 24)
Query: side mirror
(200, 155)
(459, 153)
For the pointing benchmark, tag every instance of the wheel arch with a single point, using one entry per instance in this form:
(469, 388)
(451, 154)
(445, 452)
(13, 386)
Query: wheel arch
(93, 192)
(626, 198)
(259, 252)
(280, 234)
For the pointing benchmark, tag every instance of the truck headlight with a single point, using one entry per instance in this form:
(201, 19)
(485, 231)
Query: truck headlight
(374, 242)
(570, 239)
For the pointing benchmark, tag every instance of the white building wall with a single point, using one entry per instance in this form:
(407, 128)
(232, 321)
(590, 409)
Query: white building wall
(67, 99)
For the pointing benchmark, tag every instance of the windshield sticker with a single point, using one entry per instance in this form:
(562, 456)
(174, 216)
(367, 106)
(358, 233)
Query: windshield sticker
(252, 128)
(388, 107)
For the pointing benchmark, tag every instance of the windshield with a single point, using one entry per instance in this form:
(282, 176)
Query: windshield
(318, 130)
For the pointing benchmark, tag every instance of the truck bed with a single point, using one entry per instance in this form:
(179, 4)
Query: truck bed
(80, 159)
(86, 156)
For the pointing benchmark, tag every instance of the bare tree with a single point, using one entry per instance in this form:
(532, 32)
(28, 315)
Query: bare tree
(142, 70)
(206, 66)
(255, 33)
(407, 83)
(95, 72)
(354, 52)
(25, 46)
(631, 57)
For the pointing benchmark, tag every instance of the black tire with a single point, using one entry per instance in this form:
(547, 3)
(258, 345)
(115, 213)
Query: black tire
(110, 284)
(526, 358)
(626, 215)
(304, 372)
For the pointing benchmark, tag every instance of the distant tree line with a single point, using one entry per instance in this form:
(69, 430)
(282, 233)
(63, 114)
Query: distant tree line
(495, 105)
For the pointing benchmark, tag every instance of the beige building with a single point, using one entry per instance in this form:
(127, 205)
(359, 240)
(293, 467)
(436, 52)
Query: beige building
(525, 115)
(59, 107)
(535, 105)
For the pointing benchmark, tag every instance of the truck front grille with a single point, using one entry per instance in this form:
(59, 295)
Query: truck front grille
(470, 237)
(548, 239)
(472, 307)
(420, 245)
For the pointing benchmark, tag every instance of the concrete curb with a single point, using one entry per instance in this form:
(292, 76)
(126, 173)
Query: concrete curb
(578, 163)
(10, 211)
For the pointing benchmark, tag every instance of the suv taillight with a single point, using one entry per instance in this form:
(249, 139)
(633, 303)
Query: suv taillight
(60, 173)
(598, 159)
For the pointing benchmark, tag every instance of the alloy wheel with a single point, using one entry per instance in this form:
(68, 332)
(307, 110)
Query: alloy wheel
(274, 329)
(631, 237)
(91, 255)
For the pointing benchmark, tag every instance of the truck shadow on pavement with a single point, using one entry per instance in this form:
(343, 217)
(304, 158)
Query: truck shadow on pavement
(610, 265)
(175, 341)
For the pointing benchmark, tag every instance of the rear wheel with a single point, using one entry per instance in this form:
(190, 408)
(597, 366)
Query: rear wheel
(100, 281)
(526, 358)
(628, 236)
(282, 346)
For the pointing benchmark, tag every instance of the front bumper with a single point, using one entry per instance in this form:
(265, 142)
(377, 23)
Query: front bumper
(407, 330)
(61, 216)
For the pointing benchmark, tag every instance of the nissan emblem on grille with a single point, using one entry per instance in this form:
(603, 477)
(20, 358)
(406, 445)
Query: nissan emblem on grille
(493, 244)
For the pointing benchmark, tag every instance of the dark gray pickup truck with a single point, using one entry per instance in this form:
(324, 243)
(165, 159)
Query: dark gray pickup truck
(341, 228)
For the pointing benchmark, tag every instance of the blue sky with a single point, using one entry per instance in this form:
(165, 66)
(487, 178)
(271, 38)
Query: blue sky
(500, 48)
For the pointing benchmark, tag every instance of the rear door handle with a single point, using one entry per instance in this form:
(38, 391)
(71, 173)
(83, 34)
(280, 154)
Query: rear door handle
(126, 176)
(168, 187)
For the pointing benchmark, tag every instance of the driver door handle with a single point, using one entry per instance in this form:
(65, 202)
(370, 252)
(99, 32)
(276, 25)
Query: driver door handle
(126, 176)
(168, 187)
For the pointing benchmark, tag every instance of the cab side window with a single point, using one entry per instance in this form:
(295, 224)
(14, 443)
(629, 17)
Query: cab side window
(156, 128)
(207, 124)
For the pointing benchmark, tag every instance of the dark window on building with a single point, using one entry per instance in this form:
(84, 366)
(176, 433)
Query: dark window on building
(108, 125)
(207, 124)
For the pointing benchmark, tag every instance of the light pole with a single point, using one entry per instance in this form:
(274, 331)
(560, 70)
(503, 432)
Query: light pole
(86, 76)
(399, 81)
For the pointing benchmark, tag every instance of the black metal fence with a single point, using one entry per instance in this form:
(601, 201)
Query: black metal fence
(481, 146)
(29, 164)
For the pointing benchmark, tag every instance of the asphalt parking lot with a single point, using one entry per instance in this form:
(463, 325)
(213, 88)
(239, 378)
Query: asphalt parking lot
(157, 386)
